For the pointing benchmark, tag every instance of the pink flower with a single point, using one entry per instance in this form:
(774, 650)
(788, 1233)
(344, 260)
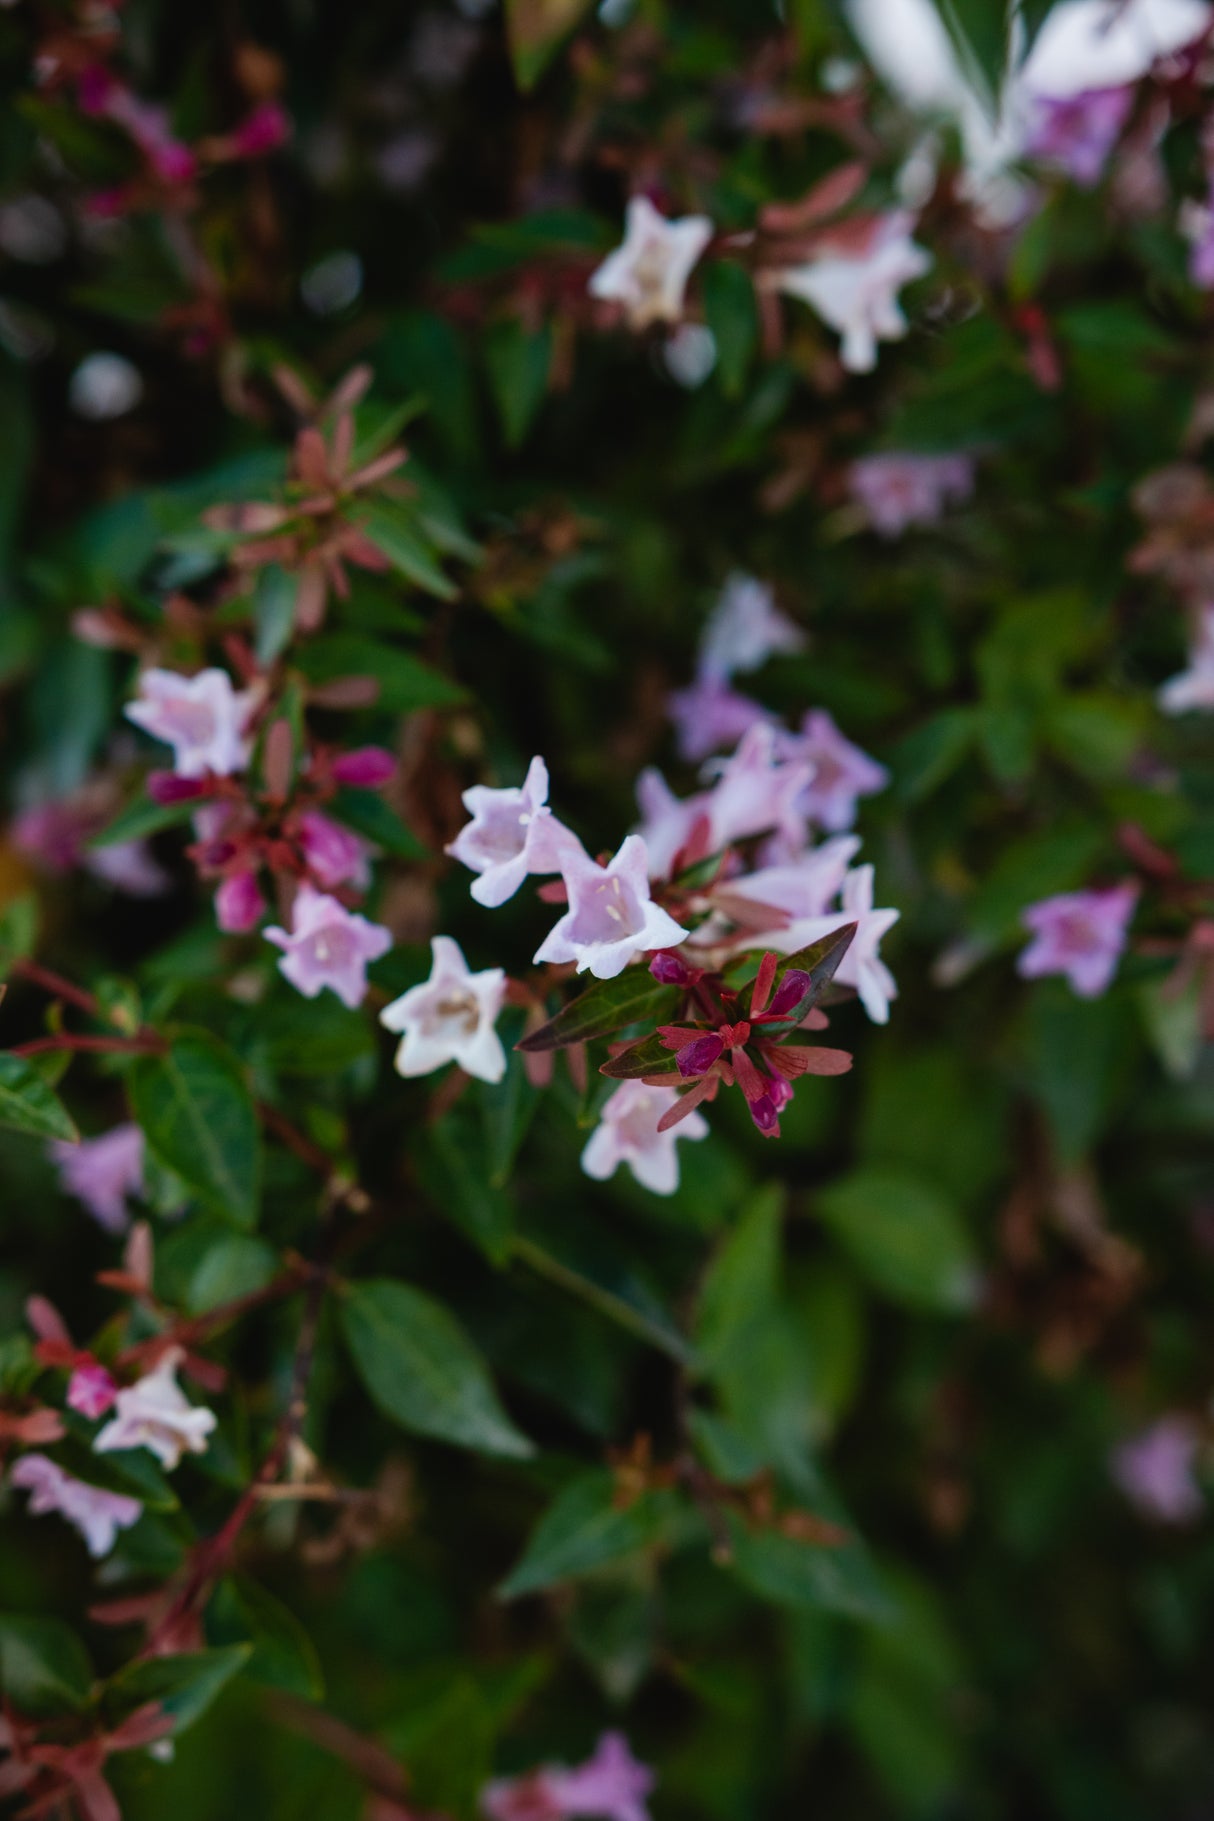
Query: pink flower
(861, 966)
(648, 271)
(1194, 687)
(91, 1390)
(239, 904)
(855, 290)
(1197, 226)
(803, 887)
(154, 1413)
(756, 790)
(98, 1515)
(102, 1173)
(512, 833)
(328, 946)
(744, 629)
(1078, 132)
(898, 490)
(367, 766)
(127, 866)
(841, 772)
(610, 1785)
(264, 130)
(334, 855)
(627, 1132)
(611, 913)
(709, 715)
(1079, 934)
(202, 718)
(54, 835)
(148, 126)
(450, 1017)
(1155, 1471)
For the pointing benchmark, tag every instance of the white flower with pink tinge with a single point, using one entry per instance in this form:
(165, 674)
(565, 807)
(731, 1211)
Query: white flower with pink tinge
(627, 1132)
(756, 789)
(450, 1017)
(854, 289)
(648, 271)
(611, 913)
(202, 718)
(861, 966)
(512, 833)
(842, 772)
(1155, 1471)
(800, 888)
(1194, 687)
(745, 628)
(328, 946)
(154, 1413)
(898, 490)
(1079, 934)
(97, 1514)
(102, 1173)
(611, 1786)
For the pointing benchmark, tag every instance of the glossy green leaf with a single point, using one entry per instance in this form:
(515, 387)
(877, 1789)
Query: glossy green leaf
(28, 1104)
(586, 1528)
(44, 1668)
(633, 997)
(198, 1116)
(183, 1687)
(402, 681)
(904, 1234)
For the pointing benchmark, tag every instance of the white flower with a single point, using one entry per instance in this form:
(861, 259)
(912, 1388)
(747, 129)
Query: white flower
(611, 913)
(745, 628)
(512, 833)
(856, 291)
(154, 1413)
(202, 718)
(450, 1017)
(97, 1514)
(628, 1133)
(862, 966)
(648, 271)
(1194, 687)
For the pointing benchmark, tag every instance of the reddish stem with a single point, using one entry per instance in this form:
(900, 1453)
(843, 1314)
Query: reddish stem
(57, 986)
(67, 1040)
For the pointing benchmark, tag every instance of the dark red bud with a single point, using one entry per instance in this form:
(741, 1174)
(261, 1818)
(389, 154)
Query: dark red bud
(789, 994)
(696, 1057)
(166, 787)
(366, 766)
(672, 970)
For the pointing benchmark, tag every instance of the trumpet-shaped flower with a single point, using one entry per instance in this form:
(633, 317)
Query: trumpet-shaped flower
(328, 946)
(91, 1390)
(899, 490)
(648, 271)
(1078, 132)
(1155, 1471)
(154, 1413)
(627, 1132)
(512, 833)
(842, 773)
(1194, 687)
(611, 913)
(450, 1017)
(1079, 934)
(103, 1173)
(202, 718)
(709, 714)
(855, 289)
(745, 628)
(97, 1514)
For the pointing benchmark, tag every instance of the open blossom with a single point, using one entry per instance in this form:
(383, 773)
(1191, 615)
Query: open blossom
(97, 1514)
(55, 836)
(154, 1413)
(328, 946)
(802, 887)
(861, 966)
(611, 1785)
(512, 833)
(854, 289)
(1194, 687)
(627, 1132)
(335, 855)
(1078, 132)
(899, 490)
(1155, 1471)
(91, 1390)
(1079, 934)
(756, 789)
(709, 714)
(842, 773)
(744, 629)
(648, 271)
(450, 1017)
(103, 1173)
(202, 718)
(611, 913)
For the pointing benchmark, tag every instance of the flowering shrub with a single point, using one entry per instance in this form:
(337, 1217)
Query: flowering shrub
(606, 909)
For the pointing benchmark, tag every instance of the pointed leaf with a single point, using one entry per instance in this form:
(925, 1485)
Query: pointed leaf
(198, 1117)
(585, 1529)
(183, 1687)
(28, 1105)
(820, 961)
(649, 1056)
(607, 1006)
(43, 1666)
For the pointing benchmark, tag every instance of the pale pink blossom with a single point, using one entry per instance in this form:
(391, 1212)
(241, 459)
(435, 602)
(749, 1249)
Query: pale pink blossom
(627, 1132)
(97, 1514)
(1194, 687)
(103, 1173)
(1155, 1471)
(803, 887)
(335, 855)
(855, 289)
(611, 1785)
(1079, 934)
(709, 714)
(127, 866)
(756, 789)
(1078, 132)
(328, 946)
(55, 836)
(91, 1390)
(611, 913)
(239, 903)
(861, 966)
(450, 1017)
(201, 717)
(512, 833)
(899, 490)
(744, 629)
(154, 1413)
(842, 773)
(648, 272)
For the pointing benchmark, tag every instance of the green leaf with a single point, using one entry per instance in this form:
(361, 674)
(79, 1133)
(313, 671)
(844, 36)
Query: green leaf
(198, 1117)
(535, 30)
(44, 1668)
(518, 360)
(454, 1172)
(142, 818)
(368, 815)
(607, 1284)
(404, 682)
(283, 1655)
(422, 1370)
(632, 997)
(979, 31)
(905, 1236)
(805, 1576)
(733, 317)
(18, 929)
(28, 1105)
(236, 1265)
(648, 1056)
(399, 537)
(183, 1687)
(585, 1529)
(740, 1286)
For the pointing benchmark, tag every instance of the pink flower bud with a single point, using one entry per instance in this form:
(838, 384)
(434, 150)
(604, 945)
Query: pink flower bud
(91, 1390)
(699, 1055)
(94, 88)
(367, 766)
(789, 994)
(266, 128)
(166, 787)
(672, 970)
(239, 905)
